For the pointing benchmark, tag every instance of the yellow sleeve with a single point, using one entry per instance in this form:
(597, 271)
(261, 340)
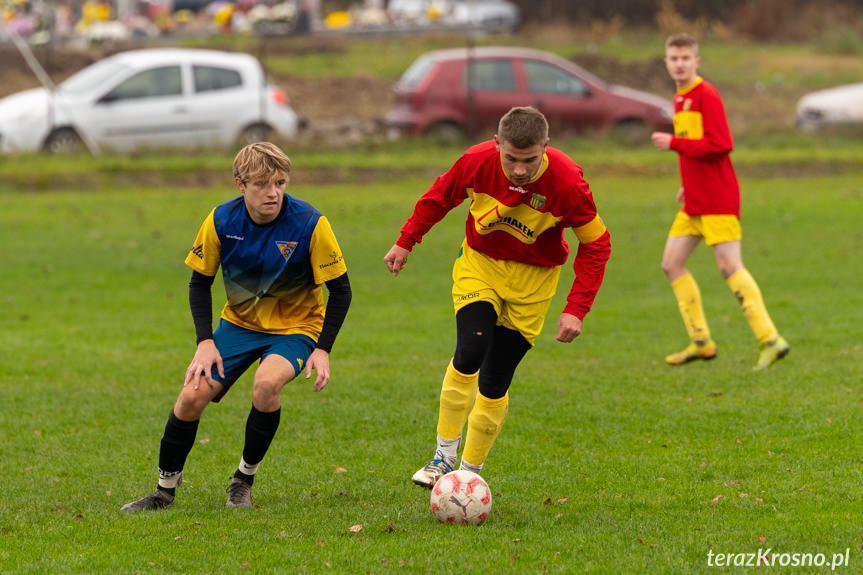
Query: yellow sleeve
(591, 231)
(326, 256)
(206, 253)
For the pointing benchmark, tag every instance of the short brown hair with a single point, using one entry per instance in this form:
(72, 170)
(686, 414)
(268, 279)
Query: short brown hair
(261, 160)
(682, 40)
(523, 127)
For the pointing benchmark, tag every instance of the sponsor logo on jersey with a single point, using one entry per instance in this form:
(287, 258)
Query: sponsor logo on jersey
(537, 201)
(199, 251)
(232, 237)
(336, 256)
(287, 249)
(687, 104)
(492, 219)
(518, 189)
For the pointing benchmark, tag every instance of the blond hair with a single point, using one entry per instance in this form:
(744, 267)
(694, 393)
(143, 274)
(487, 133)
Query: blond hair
(260, 161)
(682, 40)
(523, 127)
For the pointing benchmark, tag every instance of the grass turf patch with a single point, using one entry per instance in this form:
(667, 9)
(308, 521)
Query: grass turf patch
(610, 461)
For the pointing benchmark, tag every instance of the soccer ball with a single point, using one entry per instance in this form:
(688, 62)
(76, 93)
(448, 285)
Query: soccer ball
(461, 497)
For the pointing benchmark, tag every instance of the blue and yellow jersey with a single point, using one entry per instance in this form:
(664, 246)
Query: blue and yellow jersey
(273, 273)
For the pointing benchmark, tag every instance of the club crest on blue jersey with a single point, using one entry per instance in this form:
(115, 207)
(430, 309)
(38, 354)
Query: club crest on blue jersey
(287, 249)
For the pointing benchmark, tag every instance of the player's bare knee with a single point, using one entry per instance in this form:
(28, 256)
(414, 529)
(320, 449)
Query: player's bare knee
(265, 390)
(191, 403)
(671, 269)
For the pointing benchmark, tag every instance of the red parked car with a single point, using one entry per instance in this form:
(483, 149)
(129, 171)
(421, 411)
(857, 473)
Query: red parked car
(448, 94)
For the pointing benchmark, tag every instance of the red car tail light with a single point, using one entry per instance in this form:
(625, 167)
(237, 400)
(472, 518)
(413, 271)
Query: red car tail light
(278, 97)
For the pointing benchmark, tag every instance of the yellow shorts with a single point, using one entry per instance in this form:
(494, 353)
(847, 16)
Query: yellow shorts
(520, 293)
(715, 229)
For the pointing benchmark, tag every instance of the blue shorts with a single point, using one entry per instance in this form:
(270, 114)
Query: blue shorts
(240, 348)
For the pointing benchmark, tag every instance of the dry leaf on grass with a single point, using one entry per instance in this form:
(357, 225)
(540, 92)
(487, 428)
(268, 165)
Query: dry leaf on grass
(355, 528)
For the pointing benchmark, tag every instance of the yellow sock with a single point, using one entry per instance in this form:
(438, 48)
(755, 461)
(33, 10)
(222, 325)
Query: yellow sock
(689, 301)
(483, 427)
(457, 396)
(746, 290)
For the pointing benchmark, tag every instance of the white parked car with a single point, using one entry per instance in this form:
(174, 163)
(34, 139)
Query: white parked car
(490, 15)
(150, 99)
(834, 107)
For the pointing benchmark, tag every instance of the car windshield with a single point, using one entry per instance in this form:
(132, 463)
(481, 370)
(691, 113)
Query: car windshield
(93, 77)
(416, 72)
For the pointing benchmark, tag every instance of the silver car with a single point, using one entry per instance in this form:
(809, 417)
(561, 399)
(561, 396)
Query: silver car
(834, 107)
(150, 99)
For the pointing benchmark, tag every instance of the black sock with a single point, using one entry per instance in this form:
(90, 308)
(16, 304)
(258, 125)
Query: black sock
(177, 442)
(261, 427)
(250, 479)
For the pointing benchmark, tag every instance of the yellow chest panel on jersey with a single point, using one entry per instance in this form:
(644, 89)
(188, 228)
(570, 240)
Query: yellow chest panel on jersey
(523, 221)
(689, 125)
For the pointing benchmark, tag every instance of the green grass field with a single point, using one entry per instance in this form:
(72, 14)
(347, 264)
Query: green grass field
(610, 461)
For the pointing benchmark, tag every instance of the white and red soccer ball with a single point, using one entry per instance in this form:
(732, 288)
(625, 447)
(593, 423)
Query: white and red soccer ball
(461, 497)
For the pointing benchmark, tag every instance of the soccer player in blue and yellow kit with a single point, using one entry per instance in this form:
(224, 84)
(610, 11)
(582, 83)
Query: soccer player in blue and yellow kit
(523, 195)
(710, 195)
(275, 252)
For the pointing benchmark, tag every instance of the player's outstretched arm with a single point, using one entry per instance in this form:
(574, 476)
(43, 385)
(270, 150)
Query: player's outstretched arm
(568, 327)
(206, 356)
(662, 140)
(319, 361)
(396, 259)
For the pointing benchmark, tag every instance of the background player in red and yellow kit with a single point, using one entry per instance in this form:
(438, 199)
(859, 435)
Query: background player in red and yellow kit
(710, 196)
(275, 252)
(523, 195)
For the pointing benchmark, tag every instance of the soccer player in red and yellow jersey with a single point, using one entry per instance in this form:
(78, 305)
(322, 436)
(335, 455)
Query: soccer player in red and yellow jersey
(710, 195)
(523, 195)
(275, 252)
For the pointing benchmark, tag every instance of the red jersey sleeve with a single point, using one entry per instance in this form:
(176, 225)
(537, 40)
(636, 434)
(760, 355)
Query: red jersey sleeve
(447, 192)
(589, 267)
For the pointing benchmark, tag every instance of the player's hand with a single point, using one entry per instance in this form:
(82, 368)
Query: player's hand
(320, 362)
(680, 195)
(662, 140)
(568, 327)
(396, 259)
(205, 358)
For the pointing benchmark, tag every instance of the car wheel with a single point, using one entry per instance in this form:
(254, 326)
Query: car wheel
(631, 132)
(63, 141)
(445, 132)
(256, 133)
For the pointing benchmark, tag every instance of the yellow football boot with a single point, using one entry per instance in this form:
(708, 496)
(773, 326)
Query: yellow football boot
(704, 350)
(771, 352)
